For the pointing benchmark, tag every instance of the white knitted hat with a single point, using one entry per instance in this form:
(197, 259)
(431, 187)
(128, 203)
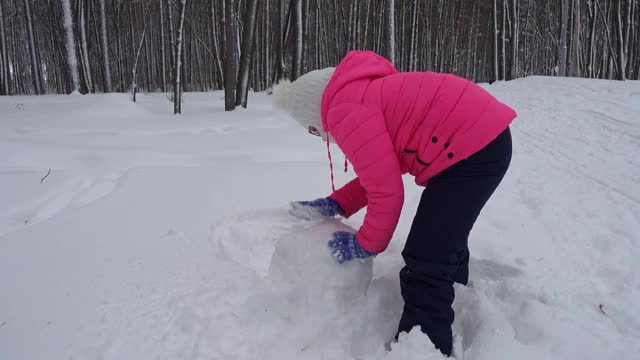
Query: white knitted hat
(303, 97)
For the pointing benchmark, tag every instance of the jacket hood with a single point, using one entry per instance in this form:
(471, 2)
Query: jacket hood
(356, 65)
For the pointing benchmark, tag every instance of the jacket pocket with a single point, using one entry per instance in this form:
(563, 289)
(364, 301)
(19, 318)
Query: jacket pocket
(420, 161)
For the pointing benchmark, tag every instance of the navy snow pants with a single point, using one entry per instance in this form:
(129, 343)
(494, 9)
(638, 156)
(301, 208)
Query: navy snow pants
(436, 253)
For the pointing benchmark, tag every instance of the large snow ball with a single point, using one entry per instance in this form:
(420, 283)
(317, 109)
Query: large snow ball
(300, 297)
(303, 260)
(313, 287)
(300, 279)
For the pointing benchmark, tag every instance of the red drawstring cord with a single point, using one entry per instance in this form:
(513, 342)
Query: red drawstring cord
(346, 164)
(333, 186)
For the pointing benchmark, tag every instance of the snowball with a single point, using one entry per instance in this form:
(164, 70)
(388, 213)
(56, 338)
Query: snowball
(303, 263)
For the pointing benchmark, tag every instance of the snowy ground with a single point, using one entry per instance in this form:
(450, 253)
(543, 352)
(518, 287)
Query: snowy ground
(162, 237)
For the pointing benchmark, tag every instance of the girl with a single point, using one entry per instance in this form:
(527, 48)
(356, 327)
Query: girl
(447, 132)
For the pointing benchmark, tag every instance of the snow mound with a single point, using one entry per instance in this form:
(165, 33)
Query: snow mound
(299, 287)
(412, 346)
(313, 279)
(276, 246)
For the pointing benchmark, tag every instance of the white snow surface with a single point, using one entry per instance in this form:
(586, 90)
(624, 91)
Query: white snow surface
(167, 237)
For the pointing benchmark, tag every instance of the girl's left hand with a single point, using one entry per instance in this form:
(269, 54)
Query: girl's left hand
(345, 247)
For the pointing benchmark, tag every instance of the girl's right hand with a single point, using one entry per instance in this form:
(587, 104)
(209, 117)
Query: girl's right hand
(319, 209)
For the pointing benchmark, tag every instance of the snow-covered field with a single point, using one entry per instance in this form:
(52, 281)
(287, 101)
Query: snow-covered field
(162, 237)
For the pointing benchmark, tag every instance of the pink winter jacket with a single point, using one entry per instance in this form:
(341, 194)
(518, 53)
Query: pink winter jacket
(389, 123)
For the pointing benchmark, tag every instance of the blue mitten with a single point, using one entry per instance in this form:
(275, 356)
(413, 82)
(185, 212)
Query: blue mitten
(344, 247)
(318, 209)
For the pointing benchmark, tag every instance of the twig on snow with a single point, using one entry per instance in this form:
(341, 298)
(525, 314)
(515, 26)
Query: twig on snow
(601, 307)
(41, 180)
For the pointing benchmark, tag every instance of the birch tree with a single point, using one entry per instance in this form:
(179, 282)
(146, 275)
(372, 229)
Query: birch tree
(575, 40)
(390, 40)
(177, 91)
(278, 71)
(172, 35)
(246, 53)
(414, 34)
(122, 57)
(72, 59)
(105, 48)
(35, 64)
(298, 37)
(505, 10)
(514, 40)
(230, 72)
(4, 57)
(623, 28)
(496, 70)
(215, 36)
(134, 71)
(591, 6)
(84, 46)
(564, 19)
(163, 56)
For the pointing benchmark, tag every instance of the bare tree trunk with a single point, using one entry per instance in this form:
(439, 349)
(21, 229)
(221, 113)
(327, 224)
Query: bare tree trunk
(134, 73)
(477, 30)
(4, 57)
(177, 91)
(72, 59)
(56, 63)
(621, 50)
(132, 32)
(636, 46)
(143, 11)
(496, 68)
(17, 65)
(120, 49)
(354, 23)
(183, 62)
(505, 9)
(242, 88)
(627, 34)
(230, 72)
(172, 38)
(592, 37)
(366, 24)
(514, 40)
(105, 49)
(35, 65)
(575, 40)
(267, 48)
(623, 27)
(163, 56)
(563, 37)
(414, 30)
(84, 46)
(216, 46)
(298, 36)
(278, 72)
(610, 62)
(391, 31)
